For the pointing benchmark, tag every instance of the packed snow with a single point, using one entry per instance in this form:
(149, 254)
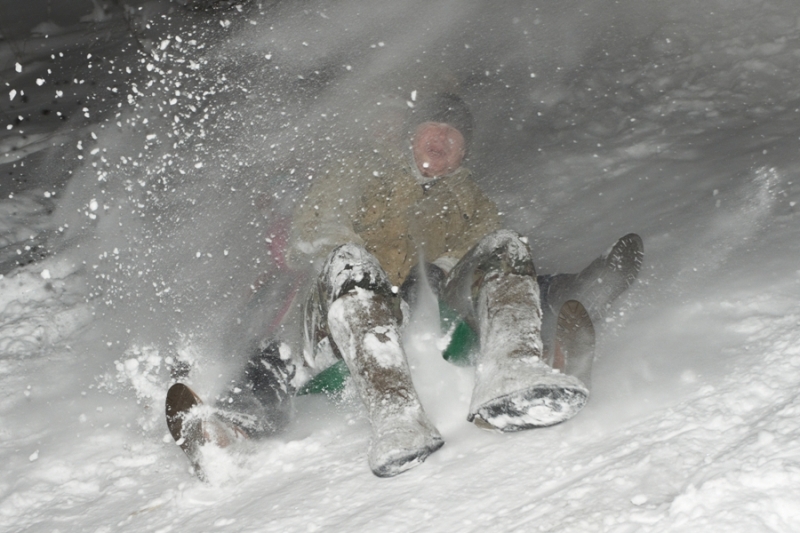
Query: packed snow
(156, 157)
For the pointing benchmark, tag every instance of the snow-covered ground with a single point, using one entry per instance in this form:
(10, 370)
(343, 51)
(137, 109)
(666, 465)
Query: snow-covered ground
(182, 146)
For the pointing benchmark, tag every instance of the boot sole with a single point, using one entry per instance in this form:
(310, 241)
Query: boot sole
(537, 406)
(192, 432)
(408, 461)
(620, 269)
(188, 434)
(548, 404)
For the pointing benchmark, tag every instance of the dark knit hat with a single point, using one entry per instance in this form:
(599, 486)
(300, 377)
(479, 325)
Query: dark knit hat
(443, 107)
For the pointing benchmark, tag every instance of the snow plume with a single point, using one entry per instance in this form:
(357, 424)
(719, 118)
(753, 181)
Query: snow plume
(742, 215)
(148, 373)
(182, 194)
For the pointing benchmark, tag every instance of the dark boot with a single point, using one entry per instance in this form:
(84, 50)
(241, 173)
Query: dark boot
(598, 285)
(260, 400)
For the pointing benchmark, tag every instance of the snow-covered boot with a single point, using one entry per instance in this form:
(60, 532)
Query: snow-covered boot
(362, 318)
(366, 333)
(515, 389)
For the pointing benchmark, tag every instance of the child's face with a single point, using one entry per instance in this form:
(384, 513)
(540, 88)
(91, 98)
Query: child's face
(438, 149)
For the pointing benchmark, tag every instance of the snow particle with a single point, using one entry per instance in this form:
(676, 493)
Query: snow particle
(12, 94)
(18, 67)
(639, 499)
(45, 274)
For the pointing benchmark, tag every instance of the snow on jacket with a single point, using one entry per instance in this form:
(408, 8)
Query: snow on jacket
(379, 203)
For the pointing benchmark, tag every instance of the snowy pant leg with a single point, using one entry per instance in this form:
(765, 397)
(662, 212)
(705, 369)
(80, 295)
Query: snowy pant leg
(494, 288)
(499, 253)
(260, 400)
(354, 308)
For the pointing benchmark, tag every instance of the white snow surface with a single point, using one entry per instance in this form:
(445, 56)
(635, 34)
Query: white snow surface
(678, 122)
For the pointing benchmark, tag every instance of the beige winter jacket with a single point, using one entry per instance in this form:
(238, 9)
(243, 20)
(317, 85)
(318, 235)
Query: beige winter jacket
(379, 203)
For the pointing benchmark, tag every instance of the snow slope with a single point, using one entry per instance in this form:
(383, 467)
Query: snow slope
(679, 122)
